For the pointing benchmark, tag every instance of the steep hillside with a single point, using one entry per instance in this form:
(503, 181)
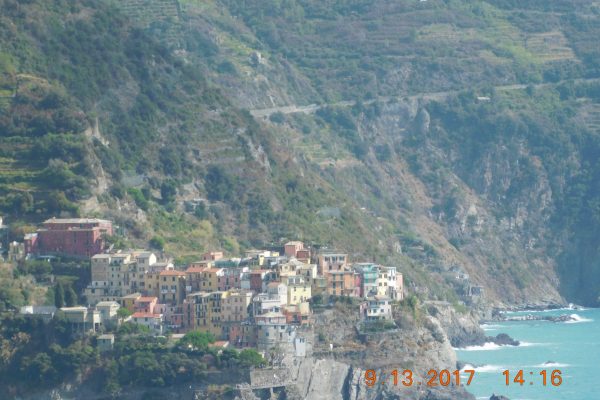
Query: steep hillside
(433, 135)
(461, 125)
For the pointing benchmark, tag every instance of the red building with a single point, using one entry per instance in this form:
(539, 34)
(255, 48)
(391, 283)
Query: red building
(256, 280)
(79, 237)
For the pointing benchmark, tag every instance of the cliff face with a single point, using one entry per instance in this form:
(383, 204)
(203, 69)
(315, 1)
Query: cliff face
(419, 344)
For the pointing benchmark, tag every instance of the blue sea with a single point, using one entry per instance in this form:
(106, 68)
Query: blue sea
(572, 347)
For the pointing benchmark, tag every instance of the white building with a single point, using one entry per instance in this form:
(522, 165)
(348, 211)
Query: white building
(105, 342)
(278, 290)
(262, 303)
(272, 331)
(390, 283)
(154, 322)
(378, 308)
(108, 312)
(83, 319)
(46, 313)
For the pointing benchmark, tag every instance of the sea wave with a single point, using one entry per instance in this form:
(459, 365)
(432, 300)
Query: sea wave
(576, 319)
(483, 368)
(529, 344)
(493, 346)
(551, 364)
(484, 347)
(489, 327)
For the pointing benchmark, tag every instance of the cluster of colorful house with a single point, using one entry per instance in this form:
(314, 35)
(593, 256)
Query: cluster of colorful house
(257, 300)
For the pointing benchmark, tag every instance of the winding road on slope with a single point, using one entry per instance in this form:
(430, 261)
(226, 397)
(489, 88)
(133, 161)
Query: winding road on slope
(434, 96)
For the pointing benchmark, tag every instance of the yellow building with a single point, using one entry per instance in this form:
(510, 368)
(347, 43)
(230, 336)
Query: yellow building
(203, 311)
(210, 279)
(152, 283)
(129, 301)
(172, 286)
(235, 305)
(298, 290)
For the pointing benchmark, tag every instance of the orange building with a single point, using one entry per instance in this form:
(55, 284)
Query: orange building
(342, 283)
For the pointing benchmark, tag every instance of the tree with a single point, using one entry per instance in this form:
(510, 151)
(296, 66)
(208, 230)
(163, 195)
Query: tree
(168, 191)
(59, 295)
(57, 202)
(219, 184)
(123, 313)
(200, 211)
(196, 340)
(250, 357)
(22, 203)
(70, 296)
(157, 243)
(39, 368)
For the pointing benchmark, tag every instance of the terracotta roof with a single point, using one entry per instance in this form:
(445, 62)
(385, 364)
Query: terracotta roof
(145, 315)
(171, 272)
(146, 299)
(75, 220)
(212, 269)
(195, 269)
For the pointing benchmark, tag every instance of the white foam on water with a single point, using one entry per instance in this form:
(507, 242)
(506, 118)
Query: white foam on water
(490, 327)
(483, 368)
(551, 365)
(577, 319)
(490, 368)
(528, 344)
(485, 347)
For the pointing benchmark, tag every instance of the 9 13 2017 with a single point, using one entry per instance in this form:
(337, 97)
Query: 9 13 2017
(407, 378)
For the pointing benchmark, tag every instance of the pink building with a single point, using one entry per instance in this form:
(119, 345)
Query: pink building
(328, 262)
(242, 335)
(292, 248)
(303, 255)
(194, 277)
(231, 278)
(212, 256)
(145, 305)
(78, 237)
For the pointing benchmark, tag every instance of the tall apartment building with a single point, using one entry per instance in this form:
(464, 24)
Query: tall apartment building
(118, 274)
(331, 261)
(172, 286)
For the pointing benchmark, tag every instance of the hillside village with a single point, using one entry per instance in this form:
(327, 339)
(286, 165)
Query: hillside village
(261, 299)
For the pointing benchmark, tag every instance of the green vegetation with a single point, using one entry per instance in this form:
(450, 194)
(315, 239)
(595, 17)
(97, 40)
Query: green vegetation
(377, 326)
(43, 354)
(196, 341)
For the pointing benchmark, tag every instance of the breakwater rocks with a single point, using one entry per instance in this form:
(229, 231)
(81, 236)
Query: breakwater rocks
(531, 317)
(551, 318)
(537, 308)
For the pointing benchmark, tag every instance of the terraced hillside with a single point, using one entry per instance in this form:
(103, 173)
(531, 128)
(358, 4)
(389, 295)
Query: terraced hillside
(431, 135)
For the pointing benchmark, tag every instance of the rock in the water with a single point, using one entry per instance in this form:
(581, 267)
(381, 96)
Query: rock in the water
(502, 339)
(494, 397)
